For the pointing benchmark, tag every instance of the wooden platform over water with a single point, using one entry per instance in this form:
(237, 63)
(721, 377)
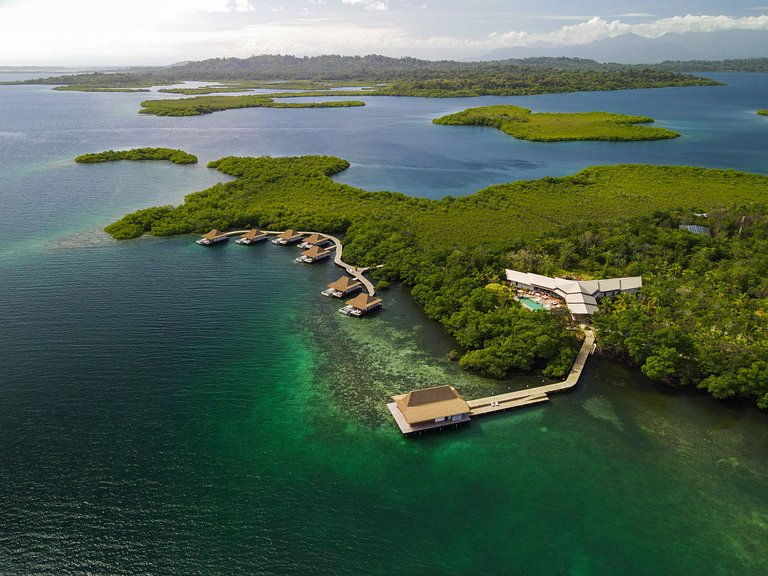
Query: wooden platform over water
(406, 428)
(520, 398)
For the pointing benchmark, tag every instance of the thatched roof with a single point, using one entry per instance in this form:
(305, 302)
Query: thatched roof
(431, 403)
(315, 238)
(344, 283)
(363, 301)
(289, 234)
(314, 252)
(212, 234)
(253, 234)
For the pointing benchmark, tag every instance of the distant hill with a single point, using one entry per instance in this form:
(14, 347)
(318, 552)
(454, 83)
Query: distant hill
(634, 49)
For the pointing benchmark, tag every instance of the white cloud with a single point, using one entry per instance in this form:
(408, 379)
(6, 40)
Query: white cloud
(597, 28)
(373, 5)
(115, 32)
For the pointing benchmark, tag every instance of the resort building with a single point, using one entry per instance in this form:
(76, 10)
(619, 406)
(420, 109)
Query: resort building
(361, 305)
(212, 237)
(252, 237)
(315, 240)
(314, 254)
(429, 409)
(344, 286)
(581, 297)
(287, 237)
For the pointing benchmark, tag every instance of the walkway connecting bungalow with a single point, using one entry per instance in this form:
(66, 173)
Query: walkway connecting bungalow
(354, 271)
(410, 422)
(580, 296)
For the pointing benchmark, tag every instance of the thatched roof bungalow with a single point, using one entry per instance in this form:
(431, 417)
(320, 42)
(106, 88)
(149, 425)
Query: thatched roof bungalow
(428, 409)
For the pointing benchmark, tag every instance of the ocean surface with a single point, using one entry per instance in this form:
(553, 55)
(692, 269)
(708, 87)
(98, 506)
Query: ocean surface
(169, 409)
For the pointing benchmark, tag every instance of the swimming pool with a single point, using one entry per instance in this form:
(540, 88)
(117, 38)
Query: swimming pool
(531, 304)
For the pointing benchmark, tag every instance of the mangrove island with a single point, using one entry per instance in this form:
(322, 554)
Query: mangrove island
(554, 127)
(170, 154)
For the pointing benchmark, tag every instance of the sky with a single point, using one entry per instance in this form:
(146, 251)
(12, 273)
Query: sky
(157, 32)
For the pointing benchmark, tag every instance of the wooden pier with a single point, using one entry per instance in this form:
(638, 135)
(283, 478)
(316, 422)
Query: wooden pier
(354, 271)
(520, 398)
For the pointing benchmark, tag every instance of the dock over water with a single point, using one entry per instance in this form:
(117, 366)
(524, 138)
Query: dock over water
(354, 271)
(520, 398)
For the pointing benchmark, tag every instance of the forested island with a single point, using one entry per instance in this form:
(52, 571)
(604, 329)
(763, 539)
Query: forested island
(199, 105)
(553, 127)
(398, 76)
(763, 112)
(88, 88)
(170, 154)
(698, 321)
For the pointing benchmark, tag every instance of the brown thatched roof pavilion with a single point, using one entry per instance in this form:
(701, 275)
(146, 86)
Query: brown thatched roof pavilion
(315, 252)
(431, 404)
(315, 238)
(364, 302)
(212, 234)
(344, 283)
(253, 234)
(289, 235)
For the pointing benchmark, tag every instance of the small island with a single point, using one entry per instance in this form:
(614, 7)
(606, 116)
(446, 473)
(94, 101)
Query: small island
(170, 154)
(87, 88)
(208, 104)
(556, 127)
(763, 112)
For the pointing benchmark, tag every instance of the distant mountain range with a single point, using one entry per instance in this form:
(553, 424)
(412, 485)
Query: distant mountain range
(634, 49)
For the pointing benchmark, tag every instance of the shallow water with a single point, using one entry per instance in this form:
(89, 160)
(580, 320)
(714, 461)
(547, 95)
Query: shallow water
(169, 409)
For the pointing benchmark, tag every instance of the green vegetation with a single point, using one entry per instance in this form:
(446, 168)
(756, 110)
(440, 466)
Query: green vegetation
(202, 91)
(763, 112)
(85, 88)
(243, 86)
(398, 76)
(175, 156)
(452, 252)
(552, 127)
(209, 104)
(733, 65)
(700, 319)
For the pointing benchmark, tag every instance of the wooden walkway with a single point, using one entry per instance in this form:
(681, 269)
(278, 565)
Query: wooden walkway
(520, 398)
(354, 271)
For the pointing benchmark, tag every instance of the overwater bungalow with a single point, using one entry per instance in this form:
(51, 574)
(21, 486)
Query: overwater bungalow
(287, 237)
(315, 240)
(342, 287)
(361, 305)
(212, 237)
(429, 409)
(252, 237)
(314, 254)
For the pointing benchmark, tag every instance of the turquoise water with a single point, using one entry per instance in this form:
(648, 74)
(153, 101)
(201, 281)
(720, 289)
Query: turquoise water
(171, 409)
(531, 304)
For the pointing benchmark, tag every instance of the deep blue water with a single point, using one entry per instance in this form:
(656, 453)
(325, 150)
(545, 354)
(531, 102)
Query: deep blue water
(166, 409)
